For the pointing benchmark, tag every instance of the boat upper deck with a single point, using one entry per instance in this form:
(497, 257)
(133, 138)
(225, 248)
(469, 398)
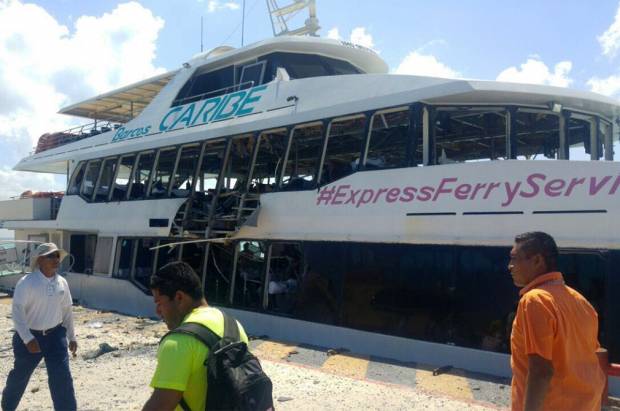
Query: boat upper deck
(287, 81)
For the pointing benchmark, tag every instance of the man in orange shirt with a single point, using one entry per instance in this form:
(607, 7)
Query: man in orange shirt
(554, 334)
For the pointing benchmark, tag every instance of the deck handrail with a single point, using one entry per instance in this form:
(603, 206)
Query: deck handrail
(49, 141)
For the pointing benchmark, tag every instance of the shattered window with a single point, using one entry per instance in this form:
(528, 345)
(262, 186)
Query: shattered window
(303, 158)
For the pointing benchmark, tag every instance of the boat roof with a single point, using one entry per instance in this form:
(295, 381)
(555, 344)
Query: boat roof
(125, 103)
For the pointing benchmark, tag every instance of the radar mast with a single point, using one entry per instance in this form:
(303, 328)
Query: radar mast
(280, 16)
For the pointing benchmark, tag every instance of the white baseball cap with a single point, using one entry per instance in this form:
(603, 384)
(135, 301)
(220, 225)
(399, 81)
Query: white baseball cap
(43, 250)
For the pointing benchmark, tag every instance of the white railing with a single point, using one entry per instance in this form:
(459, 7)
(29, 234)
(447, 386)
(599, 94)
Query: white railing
(52, 140)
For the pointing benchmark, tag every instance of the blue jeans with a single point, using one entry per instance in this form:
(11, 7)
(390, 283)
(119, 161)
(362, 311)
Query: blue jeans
(54, 352)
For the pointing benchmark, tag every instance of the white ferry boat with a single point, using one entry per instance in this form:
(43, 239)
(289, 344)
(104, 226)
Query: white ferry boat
(326, 201)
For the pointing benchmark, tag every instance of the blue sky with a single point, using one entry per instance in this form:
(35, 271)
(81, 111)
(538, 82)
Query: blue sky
(477, 38)
(56, 52)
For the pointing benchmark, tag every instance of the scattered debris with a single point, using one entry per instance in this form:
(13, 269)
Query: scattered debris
(90, 336)
(336, 351)
(258, 337)
(442, 370)
(104, 348)
(95, 324)
(34, 389)
(283, 399)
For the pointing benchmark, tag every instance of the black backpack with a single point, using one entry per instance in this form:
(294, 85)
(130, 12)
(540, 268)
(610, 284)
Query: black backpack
(235, 378)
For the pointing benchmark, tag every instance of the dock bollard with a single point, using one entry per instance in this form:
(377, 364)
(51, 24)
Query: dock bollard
(603, 359)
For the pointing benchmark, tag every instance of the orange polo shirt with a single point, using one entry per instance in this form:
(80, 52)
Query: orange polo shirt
(557, 323)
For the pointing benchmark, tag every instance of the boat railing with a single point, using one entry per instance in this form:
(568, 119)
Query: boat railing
(49, 141)
(215, 93)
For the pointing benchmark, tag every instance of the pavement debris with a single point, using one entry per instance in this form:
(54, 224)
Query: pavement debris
(442, 370)
(336, 351)
(104, 348)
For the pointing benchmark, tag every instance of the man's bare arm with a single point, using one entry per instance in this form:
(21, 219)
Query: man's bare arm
(538, 380)
(163, 400)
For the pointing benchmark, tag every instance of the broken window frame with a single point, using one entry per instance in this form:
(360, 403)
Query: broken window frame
(73, 188)
(102, 170)
(369, 138)
(291, 141)
(328, 136)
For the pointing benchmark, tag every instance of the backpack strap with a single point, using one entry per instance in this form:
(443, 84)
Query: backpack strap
(231, 329)
(199, 331)
(184, 405)
(203, 334)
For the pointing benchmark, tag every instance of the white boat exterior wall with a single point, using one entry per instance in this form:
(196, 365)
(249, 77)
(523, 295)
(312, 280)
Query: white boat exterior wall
(26, 209)
(128, 218)
(595, 186)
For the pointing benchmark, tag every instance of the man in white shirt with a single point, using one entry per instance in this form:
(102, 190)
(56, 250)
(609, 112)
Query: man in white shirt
(43, 322)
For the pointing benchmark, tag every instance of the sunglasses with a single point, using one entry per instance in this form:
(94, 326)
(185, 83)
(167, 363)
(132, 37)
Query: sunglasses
(52, 255)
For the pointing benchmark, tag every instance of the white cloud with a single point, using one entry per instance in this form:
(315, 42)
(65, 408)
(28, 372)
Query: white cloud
(216, 5)
(13, 183)
(45, 66)
(425, 65)
(361, 37)
(334, 34)
(609, 86)
(610, 39)
(534, 71)
(358, 35)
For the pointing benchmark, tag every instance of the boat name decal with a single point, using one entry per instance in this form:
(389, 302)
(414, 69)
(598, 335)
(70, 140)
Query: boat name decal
(534, 185)
(218, 108)
(123, 134)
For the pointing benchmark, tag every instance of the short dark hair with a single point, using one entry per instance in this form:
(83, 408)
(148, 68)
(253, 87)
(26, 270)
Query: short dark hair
(537, 242)
(177, 276)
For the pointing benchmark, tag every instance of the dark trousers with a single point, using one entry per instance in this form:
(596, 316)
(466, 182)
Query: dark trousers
(54, 352)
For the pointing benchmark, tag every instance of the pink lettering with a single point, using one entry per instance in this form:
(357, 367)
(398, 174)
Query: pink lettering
(573, 183)
(340, 192)
(535, 188)
(392, 195)
(462, 191)
(595, 185)
(379, 192)
(408, 194)
(352, 195)
(554, 187)
(511, 192)
(425, 194)
(615, 186)
(478, 187)
(441, 189)
(365, 198)
(491, 187)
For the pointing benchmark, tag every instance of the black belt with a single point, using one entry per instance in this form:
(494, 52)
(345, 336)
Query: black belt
(45, 332)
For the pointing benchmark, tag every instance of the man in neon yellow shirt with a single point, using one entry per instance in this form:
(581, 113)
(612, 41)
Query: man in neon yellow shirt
(181, 372)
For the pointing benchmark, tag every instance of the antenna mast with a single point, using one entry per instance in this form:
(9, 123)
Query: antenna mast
(242, 23)
(201, 34)
(280, 17)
